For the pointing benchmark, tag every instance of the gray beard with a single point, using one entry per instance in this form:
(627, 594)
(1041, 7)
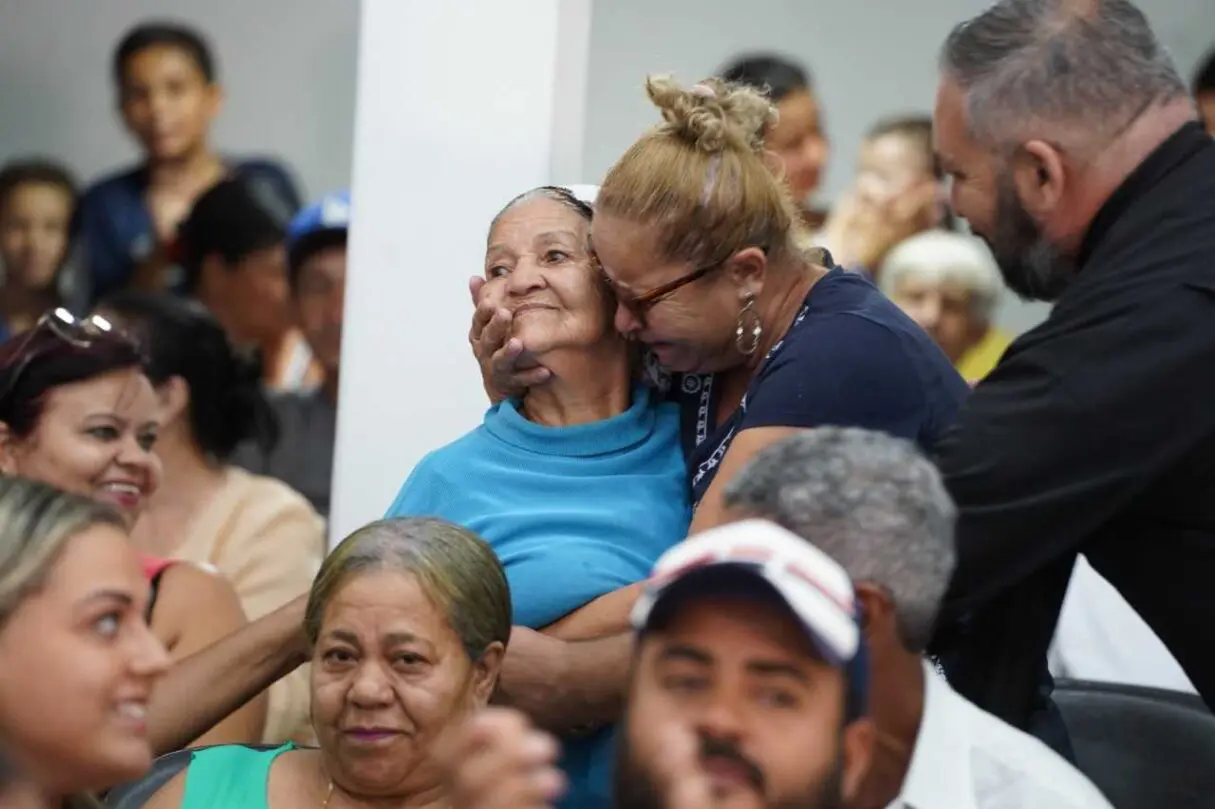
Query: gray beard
(1032, 267)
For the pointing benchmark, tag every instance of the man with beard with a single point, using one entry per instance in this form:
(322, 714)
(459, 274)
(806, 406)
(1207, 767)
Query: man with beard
(1075, 150)
(746, 692)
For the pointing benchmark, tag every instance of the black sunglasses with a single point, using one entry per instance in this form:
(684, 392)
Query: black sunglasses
(79, 332)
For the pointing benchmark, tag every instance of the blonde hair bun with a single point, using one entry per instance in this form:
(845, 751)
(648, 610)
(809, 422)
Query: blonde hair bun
(713, 115)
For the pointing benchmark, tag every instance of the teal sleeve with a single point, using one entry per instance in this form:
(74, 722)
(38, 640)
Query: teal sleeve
(418, 495)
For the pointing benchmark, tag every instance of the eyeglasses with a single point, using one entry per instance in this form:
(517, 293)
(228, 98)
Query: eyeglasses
(639, 305)
(81, 333)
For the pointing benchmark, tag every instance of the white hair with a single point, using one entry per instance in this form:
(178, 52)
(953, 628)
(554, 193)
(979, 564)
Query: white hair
(940, 257)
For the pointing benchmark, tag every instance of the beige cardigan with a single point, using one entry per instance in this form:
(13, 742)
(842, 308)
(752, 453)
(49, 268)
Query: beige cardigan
(268, 542)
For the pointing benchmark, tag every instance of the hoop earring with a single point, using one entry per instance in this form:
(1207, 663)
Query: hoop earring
(749, 329)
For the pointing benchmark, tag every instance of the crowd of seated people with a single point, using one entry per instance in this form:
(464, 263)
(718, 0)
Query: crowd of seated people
(697, 551)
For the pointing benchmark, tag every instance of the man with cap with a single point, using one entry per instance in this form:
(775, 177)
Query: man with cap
(316, 275)
(747, 689)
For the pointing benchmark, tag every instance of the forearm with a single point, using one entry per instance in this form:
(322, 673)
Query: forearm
(243, 726)
(606, 615)
(581, 685)
(203, 689)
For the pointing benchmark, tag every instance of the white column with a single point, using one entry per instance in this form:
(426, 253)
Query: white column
(461, 105)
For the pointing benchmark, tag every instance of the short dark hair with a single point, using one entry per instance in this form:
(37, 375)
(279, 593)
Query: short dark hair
(164, 35)
(775, 75)
(915, 128)
(228, 404)
(230, 221)
(1204, 77)
(43, 361)
(35, 171)
(306, 246)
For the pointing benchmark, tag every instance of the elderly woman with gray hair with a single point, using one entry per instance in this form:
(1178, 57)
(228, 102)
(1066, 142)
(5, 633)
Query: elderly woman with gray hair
(579, 484)
(949, 283)
(408, 621)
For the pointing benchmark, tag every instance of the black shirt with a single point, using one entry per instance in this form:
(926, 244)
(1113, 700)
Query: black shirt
(1096, 434)
(851, 358)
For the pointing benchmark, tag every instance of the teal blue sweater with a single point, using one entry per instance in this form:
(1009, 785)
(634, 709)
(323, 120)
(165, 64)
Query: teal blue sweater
(573, 513)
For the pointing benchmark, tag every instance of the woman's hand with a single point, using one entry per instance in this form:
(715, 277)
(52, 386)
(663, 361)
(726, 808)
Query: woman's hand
(506, 369)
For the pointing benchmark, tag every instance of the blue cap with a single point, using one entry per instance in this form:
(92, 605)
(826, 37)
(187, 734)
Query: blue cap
(329, 214)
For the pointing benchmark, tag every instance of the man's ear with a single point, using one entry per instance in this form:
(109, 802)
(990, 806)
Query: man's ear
(212, 275)
(857, 753)
(877, 609)
(8, 461)
(1039, 176)
(215, 100)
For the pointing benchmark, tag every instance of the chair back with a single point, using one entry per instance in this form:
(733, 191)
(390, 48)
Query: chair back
(1145, 748)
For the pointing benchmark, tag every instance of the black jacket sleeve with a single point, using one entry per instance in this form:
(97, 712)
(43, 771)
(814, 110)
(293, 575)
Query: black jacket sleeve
(1073, 425)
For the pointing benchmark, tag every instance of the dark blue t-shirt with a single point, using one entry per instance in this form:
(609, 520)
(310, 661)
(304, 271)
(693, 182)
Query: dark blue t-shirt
(114, 227)
(850, 359)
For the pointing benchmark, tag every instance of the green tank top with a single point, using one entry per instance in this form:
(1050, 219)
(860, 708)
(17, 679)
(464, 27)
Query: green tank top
(229, 777)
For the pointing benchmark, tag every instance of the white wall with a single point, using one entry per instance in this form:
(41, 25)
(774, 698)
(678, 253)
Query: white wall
(287, 65)
(434, 161)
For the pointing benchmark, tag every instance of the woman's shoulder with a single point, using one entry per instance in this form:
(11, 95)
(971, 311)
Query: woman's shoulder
(262, 494)
(183, 589)
(250, 505)
(189, 585)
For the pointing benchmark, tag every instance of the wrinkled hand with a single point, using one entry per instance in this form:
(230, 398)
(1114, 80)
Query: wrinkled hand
(506, 368)
(498, 760)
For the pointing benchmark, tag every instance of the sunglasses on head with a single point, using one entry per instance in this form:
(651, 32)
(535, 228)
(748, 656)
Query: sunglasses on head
(66, 327)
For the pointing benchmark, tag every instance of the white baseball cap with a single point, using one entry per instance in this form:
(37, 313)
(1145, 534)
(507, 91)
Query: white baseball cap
(813, 586)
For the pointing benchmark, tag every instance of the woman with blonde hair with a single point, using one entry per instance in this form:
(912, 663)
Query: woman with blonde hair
(408, 621)
(78, 662)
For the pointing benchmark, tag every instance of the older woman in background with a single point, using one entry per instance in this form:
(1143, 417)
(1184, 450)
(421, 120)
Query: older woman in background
(78, 412)
(78, 660)
(409, 621)
(949, 283)
(579, 485)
